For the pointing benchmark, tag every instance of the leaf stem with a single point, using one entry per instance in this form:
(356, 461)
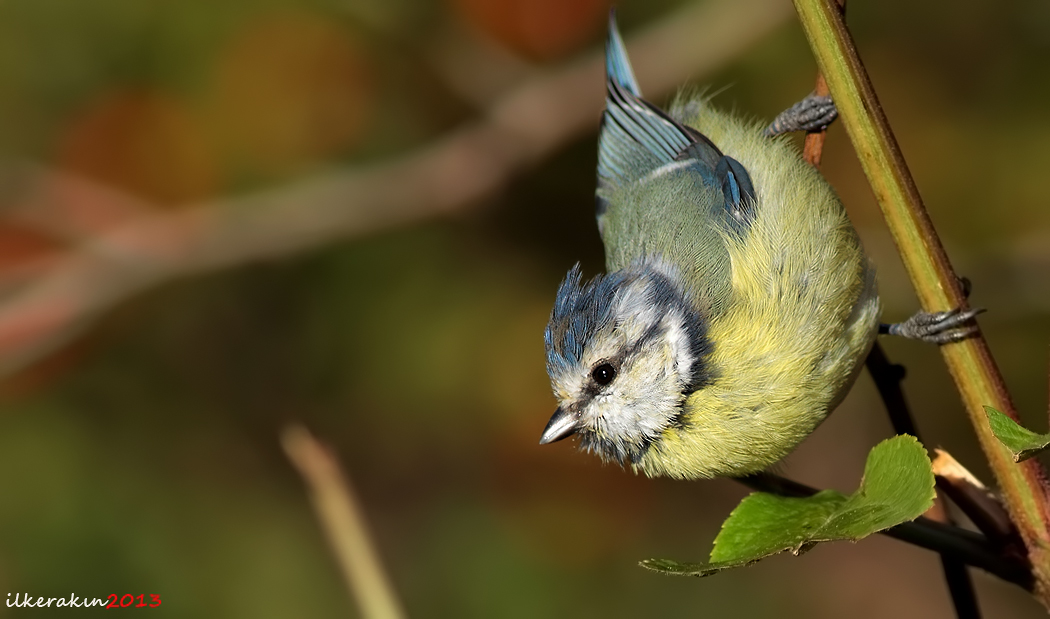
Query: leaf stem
(950, 541)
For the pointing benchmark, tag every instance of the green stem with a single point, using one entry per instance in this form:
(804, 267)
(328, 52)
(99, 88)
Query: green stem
(938, 288)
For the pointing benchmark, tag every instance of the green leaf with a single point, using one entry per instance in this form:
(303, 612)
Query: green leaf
(897, 487)
(1021, 442)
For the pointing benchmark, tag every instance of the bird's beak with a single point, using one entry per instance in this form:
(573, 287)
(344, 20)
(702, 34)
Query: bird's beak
(562, 425)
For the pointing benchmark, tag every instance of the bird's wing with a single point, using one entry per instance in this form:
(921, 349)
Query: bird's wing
(637, 139)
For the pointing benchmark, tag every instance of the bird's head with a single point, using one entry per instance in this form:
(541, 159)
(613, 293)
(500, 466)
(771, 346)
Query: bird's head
(623, 352)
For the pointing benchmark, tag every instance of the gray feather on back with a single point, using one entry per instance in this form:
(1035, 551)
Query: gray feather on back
(666, 187)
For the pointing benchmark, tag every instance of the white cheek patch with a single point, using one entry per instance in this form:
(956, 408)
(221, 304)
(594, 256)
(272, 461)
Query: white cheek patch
(634, 301)
(637, 301)
(635, 310)
(678, 339)
(646, 399)
(647, 391)
(567, 385)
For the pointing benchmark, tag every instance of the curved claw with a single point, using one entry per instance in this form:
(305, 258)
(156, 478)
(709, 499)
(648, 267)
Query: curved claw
(813, 113)
(936, 327)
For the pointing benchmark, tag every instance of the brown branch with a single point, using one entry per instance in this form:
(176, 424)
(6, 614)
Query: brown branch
(452, 172)
(813, 147)
(976, 501)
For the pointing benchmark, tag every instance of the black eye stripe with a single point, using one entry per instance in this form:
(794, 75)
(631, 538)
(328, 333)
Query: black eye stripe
(603, 374)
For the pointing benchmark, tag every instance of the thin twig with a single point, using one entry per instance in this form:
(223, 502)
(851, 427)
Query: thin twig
(888, 377)
(975, 500)
(964, 546)
(343, 523)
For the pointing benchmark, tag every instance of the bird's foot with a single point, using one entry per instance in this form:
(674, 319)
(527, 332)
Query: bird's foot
(810, 114)
(935, 327)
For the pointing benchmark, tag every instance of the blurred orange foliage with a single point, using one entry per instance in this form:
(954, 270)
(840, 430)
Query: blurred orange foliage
(20, 245)
(538, 29)
(144, 142)
(289, 89)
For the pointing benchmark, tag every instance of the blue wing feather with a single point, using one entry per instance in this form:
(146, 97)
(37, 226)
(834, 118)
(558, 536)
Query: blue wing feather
(617, 67)
(637, 138)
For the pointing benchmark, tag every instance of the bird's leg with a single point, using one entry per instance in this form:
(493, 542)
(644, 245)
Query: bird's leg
(814, 113)
(935, 327)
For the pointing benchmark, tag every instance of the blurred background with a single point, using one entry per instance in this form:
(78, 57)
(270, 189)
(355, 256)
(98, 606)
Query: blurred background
(217, 218)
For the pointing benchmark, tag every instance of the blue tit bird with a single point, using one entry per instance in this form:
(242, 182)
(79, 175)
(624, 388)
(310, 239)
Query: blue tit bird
(738, 306)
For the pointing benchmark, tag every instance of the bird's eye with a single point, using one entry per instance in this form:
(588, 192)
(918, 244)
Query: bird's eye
(604, 374)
